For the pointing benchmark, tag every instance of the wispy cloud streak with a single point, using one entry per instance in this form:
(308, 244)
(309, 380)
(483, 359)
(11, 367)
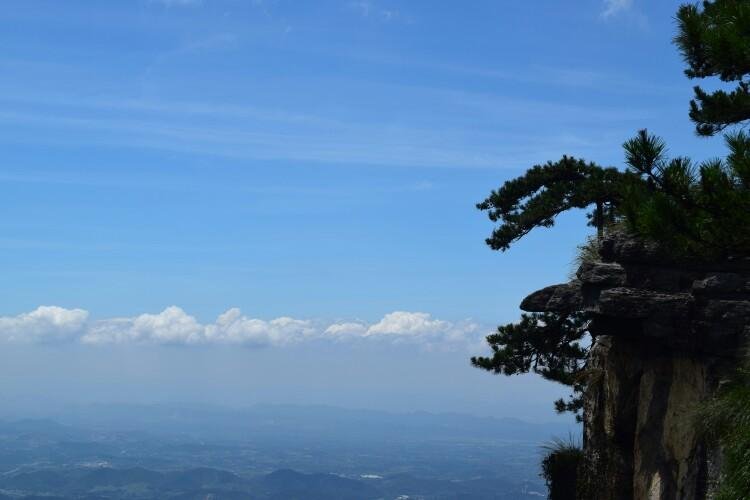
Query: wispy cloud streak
(267, 134)
(614, 7)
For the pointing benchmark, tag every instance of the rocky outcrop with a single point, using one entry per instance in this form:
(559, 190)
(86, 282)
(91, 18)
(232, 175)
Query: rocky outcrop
(556, 298)
(665, 333)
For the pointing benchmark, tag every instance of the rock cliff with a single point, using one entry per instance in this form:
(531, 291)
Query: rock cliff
(665, 332)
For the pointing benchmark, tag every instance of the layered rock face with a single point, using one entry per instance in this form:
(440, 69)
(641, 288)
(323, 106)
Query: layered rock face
(665, 334)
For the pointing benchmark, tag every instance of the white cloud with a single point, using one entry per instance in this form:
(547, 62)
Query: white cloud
(419, 327)
(614, 7)
(233, 327)
(347, 329)
(44, 324)
(404, 323)
(171, 326)
(174, 326)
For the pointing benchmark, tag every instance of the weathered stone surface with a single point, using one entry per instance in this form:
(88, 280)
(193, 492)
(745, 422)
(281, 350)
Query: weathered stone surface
(562, 298)
(624, 302)
(621, 248)
(723, 326)
(537, 301)
(669, 457)
(601, 274)
(640, 440)
(661, 278)
(724, 313)
(611, 404)
(666, 333)
(616, 327)
(722, 283)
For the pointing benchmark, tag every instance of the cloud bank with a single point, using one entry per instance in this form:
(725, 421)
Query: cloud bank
(173, 326)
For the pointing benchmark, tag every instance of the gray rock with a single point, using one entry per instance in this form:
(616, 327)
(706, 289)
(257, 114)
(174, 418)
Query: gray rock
(563, 298)
(611, 404)
(623, 248)
(661, 278)
(723, 326)
(720, 283)
(624, 302)
(601, 273)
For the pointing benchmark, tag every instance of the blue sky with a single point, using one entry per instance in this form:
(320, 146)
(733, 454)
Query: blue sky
(248, 184)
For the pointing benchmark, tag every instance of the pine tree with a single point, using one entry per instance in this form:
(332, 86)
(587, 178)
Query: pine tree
(714, 41)
(544, 191)
(543, 343)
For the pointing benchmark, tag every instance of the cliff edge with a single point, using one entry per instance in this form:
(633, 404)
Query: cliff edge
(665, 333)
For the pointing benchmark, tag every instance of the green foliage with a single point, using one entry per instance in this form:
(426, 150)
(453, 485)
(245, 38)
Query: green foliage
(698, 210)
(560, 468)
(550, 345)
(726, 419)
(714, 41)
(537, 197)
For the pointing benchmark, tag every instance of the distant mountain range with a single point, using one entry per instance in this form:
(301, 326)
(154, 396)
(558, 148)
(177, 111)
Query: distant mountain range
(269, 452)
(214, 484)
(319, 422)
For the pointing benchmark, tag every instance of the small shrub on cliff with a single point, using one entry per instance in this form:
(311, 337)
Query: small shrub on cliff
(560, 468)
(726, 419)
(586, 253)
